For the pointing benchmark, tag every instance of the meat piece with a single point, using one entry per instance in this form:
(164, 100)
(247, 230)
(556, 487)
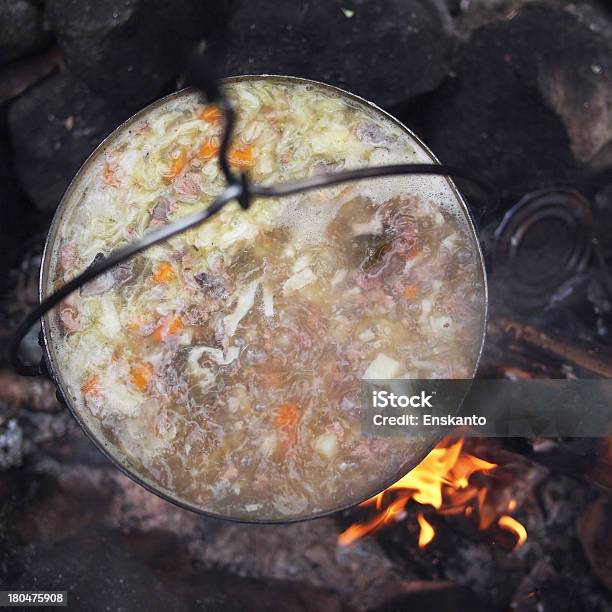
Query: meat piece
(69, 317)
(188, 184)
(196, 315)
(324, 167)
(172, 384)
(117, 276)
(124, 272)
(362, 450)
(161, 210)
(213, 285)
(358, 209)
(68, 256)
(370, 133)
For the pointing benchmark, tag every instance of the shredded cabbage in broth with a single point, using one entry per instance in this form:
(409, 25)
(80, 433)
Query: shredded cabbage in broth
(224, 365)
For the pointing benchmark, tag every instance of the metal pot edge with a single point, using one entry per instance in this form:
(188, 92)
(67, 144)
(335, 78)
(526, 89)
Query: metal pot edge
(44, 269)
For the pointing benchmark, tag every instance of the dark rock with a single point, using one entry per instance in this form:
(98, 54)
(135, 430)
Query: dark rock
(594, 527)
(428, 595)
(575, 78)
(12, 211)
(129, 50)
(280, 38)
(22, 28)
(54, 127)
(493, 117)
(388, 52)
(17, 76)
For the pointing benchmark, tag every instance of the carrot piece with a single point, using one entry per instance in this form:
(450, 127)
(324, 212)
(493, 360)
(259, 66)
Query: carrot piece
(163, 274)
(210, 113)
(208, 149)
(91, 387)
(242, 157)
(287, 416)
(158, 335)
(413, 251)
(169, 326)
(176, 325)
(177, 166)
(141, 375)
(410, 292)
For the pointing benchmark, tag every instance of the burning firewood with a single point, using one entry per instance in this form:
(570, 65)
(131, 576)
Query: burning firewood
(443, 481)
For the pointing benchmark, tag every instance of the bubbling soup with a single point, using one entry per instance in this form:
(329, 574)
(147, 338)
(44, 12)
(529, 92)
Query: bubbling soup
(224, 367)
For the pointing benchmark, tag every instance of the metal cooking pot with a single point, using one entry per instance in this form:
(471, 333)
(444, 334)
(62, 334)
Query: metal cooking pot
(418, 451)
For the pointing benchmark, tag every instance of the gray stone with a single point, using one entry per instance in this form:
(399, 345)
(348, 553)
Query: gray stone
(387, 51)
(22, 28)
(129, 51)
(494, 117)
(54, 127)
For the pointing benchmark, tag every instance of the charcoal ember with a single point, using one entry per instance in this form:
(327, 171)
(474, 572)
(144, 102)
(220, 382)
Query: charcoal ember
(493, 115)
(594, 528)
(54, 127)
(388, 52)
(22, 28)
(129, 51)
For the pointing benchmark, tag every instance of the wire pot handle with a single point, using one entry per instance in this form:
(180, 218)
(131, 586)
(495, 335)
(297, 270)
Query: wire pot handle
(239, 188)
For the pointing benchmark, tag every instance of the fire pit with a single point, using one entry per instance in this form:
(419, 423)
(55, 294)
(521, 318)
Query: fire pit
(507, 523)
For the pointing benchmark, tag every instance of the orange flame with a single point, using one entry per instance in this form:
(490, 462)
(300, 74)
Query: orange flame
(441, 480)
(427, 533)
(510, 524)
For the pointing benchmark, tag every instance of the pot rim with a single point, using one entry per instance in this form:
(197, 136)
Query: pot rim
(54, 372)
